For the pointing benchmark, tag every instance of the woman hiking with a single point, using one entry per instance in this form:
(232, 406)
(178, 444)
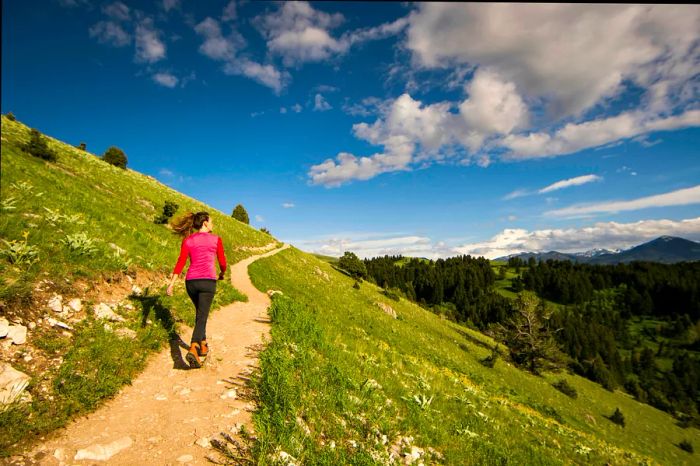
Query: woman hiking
(202, 247)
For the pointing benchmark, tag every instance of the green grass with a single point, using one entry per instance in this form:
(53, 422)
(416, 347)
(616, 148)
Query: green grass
(341, 381)
(80, 220)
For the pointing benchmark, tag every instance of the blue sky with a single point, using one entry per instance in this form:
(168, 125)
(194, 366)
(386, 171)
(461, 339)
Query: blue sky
(424, 129)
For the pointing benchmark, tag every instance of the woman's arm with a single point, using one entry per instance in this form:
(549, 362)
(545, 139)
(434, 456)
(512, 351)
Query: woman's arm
(221, 257)
(184, 252)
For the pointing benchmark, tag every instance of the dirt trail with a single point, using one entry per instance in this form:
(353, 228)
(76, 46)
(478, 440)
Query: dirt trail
(167, 409)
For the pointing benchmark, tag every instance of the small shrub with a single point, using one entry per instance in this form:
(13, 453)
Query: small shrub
(80, 244)
(266, 231)
(169, 210)
(356, 285)
(10, 116)
(115, 156)
(566, 388)
(618, 418)
(82, 146)
(490, 360)
(38, 147)
(686, 445)
(20, 253)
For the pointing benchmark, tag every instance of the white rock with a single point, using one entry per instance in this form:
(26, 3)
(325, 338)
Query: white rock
(57, 323)
(56, 303)
(203, 442)
(60, 454)
(12, 383)
(31, 325)
(271, 293)
(161, 397)
(126, 333)
(103, 311)
(75, 305)
(387, 309)
(229, 394)
(136, 290)
(18, 334)
(4, 327)
(99, 452)
(185, 459)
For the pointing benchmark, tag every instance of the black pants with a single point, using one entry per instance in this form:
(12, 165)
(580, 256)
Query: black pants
(201, 292)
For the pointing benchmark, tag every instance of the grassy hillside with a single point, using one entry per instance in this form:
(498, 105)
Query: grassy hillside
(342, 382)
(81, 228)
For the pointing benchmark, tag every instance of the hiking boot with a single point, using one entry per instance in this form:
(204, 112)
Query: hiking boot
(193, 356)
(204, 349)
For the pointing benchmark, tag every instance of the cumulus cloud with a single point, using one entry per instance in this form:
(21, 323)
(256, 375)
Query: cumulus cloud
(685, 196)
(171, 4)
(110, 32)
(223, 48)
(321, 104)
(230, 13)
(166, 79)
(605, 235)
(577, 181)
(117, 11)
(266, 75)
(574, 137)
(149, 47)
(299, 33)
(215, 45)
(571, 55)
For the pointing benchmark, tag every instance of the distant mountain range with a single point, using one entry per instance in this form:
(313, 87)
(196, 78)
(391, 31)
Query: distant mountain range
(665, 249)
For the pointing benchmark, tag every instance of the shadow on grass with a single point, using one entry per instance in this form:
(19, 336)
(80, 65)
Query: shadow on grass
(153, 303)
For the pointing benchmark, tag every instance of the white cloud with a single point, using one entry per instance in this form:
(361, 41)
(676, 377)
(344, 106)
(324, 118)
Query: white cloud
(570, 55)
(166, 172)
(215, 45)
(283, 110)
(267, 75)
(117, 11)
(230, 13)
(109, 32)
(366, 246)
(516, 194)
(149, 47)
(288, 205)
(493, 106)
(605, 235)
(321, 104)
(577, 181)
(685, 196)
(170, 4)
(299, 33)
(297, 108)
(220, 48)
(574, 137)
(166, 79)
(259, 218)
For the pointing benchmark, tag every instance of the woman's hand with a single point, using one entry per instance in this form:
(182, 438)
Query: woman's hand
(169, 291)
(221, 275)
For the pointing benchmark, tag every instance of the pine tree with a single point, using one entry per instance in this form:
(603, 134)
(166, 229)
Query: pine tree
(240, 214)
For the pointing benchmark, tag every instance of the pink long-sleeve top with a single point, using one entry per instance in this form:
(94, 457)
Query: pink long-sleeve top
(201, 248)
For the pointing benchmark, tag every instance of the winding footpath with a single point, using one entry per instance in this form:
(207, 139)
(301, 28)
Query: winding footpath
(169, 414)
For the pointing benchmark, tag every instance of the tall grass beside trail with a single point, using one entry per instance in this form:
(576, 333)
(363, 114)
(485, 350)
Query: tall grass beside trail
(78, 224)
(342, 382)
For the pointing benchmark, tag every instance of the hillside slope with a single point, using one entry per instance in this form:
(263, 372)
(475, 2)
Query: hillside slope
(343, 382)
(81, 229)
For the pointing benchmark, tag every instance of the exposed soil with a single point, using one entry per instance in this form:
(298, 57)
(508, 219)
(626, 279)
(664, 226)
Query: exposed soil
(170, 407)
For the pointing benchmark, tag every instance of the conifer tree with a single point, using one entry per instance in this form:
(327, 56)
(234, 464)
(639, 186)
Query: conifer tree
(240, 214)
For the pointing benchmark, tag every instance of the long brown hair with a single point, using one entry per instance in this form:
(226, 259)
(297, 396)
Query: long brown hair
(188, 223)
